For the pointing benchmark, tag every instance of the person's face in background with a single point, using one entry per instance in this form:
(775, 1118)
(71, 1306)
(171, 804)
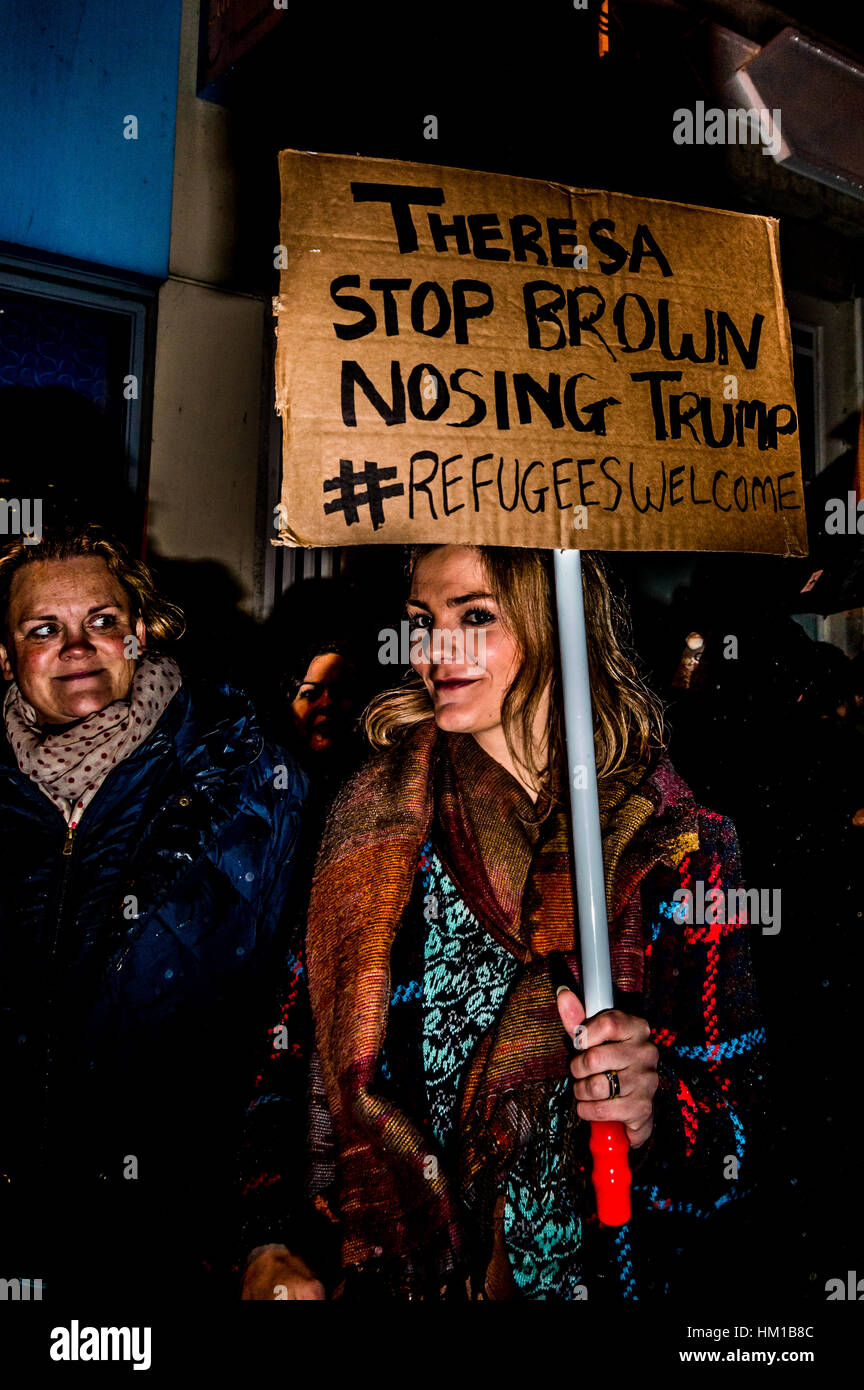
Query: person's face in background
(325, 704)
(68, 627)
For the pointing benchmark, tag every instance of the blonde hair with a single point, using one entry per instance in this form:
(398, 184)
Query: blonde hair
(628, 717)
(164, 621)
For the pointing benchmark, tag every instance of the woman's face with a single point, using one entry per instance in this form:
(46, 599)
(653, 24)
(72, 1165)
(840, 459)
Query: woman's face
(67, 626)
(471, 658)
(323, 707)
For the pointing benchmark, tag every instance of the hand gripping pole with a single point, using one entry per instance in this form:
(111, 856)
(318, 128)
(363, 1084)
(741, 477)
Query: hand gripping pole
(609, 1144)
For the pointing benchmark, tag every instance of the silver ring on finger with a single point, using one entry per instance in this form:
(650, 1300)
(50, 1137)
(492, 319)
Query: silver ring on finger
(614, 1084)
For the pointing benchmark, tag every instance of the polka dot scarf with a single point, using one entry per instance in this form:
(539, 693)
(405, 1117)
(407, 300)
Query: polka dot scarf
(69, 767)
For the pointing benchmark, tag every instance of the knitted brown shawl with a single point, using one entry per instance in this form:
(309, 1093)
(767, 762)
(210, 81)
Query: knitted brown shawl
(512, 865)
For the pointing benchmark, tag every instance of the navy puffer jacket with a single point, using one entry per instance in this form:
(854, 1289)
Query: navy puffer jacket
(132, 970)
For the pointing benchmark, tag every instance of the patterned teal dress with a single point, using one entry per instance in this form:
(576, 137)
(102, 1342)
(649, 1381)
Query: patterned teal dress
(461, 977)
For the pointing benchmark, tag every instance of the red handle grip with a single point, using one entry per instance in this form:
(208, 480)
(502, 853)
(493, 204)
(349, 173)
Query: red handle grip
(611, 1172)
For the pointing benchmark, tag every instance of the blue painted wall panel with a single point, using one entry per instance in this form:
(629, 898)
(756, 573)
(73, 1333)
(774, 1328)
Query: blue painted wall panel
(70, 71)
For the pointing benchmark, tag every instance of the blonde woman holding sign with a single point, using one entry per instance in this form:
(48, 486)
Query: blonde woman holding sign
(453, 1065)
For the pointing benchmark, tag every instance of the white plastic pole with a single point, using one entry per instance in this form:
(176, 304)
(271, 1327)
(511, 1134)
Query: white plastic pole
(585, 806)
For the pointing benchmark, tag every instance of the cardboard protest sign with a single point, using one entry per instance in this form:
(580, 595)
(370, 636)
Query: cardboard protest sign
(471, 357)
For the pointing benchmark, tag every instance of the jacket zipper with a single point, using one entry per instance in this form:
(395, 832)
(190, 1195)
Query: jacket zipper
(68, 848)
(66, 868)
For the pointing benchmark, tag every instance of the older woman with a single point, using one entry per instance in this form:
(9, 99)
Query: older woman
(448, 1154)
(147, 834)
